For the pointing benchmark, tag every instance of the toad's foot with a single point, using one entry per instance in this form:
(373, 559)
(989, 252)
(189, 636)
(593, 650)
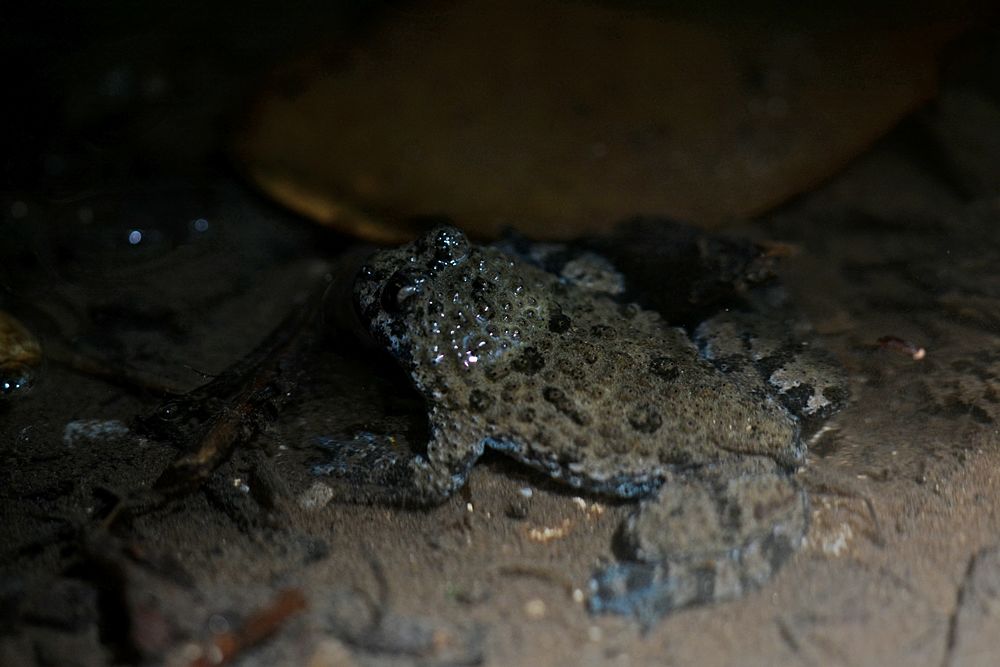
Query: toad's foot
(711, 536)
(378, 468)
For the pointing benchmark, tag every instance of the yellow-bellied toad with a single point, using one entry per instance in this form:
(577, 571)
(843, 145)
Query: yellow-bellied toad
(604, 396)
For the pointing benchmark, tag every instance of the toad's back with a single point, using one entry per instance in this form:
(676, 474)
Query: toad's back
(605, 396)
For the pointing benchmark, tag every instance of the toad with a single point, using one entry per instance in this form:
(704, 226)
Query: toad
(557, 372)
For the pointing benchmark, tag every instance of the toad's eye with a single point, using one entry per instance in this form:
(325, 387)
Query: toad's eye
(450, 245)
(400, 288)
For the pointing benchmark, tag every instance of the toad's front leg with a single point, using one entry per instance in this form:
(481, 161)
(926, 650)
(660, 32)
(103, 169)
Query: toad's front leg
(711, 535)
(452, 450)
(377, 469)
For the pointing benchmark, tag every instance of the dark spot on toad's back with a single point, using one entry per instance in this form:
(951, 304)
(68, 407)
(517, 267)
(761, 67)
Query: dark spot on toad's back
(602, 331)
(645, 419)
(496, 373)
(664, 367)
(559, 323)
(481, 289)
(564, 404)
(479, 400)
(530, 362)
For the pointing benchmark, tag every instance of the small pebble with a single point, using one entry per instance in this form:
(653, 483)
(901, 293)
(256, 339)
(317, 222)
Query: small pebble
(86, 431)
(535, 608)
(331, 652)
(316, 496)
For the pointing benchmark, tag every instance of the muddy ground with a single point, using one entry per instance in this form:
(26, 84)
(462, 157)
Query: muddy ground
(902, 564)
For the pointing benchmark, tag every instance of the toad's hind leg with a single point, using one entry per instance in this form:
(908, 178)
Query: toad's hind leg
(713, 535)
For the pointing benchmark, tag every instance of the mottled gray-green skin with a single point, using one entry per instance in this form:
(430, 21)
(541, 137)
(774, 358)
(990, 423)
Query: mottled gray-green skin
(607, 398)
(603, 396)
